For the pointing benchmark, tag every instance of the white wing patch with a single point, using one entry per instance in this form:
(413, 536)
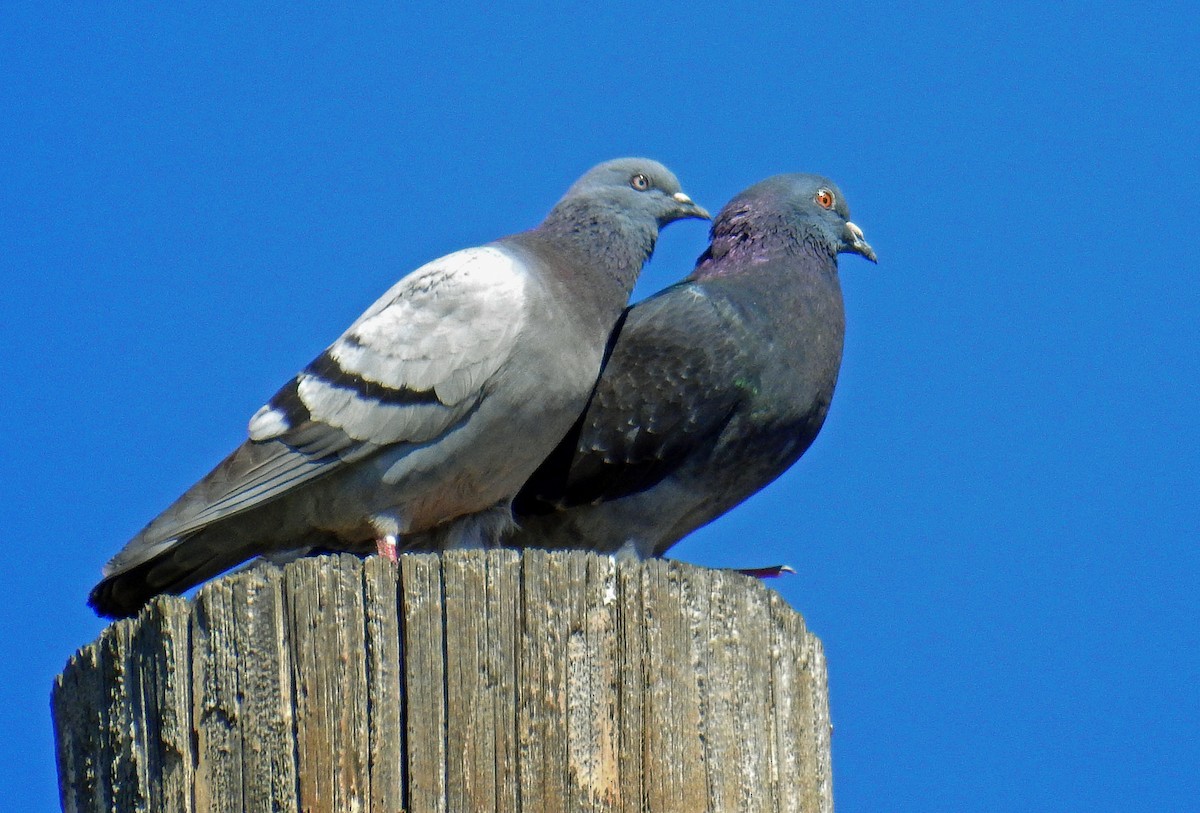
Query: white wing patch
(268, 423)
(369, 421)
(430, 343)
(454, 316)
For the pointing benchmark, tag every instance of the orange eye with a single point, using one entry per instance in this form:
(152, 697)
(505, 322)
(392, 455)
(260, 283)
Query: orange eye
(824, 198)
(640, 182)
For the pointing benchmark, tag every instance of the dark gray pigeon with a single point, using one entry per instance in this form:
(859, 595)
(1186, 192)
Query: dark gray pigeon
(426, 416)
(714, 386)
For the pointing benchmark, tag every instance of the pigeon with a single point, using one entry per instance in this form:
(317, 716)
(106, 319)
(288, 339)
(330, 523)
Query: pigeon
(712, 388)
(426, 416)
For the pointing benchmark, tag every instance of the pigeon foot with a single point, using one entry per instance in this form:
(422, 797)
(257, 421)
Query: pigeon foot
(771, 572)
(386, 546)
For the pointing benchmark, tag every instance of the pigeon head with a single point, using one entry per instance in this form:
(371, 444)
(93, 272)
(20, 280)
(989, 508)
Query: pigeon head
(634, 188)
(807, 208)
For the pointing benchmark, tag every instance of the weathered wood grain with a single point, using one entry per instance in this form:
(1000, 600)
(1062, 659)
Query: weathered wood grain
(421, 616)
(81, 746)
(482, 595)
(385, 699)
(242, 696)
(162, 643)
(472, 681)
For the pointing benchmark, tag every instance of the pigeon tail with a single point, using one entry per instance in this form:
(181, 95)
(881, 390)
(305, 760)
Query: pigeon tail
(180, 566)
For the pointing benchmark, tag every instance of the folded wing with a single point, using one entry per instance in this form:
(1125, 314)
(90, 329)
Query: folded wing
(412, 366)
(668, 386)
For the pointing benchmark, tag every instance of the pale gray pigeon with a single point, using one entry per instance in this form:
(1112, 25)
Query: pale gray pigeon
(713, 387)
(425, 417)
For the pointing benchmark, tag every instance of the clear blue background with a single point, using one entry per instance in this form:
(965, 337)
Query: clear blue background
(996, 532)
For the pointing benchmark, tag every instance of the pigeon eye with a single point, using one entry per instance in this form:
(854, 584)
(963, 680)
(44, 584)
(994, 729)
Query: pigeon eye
(824, 198)
(640, 182)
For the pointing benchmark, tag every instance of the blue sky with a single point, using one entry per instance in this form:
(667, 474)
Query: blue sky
(996, 532)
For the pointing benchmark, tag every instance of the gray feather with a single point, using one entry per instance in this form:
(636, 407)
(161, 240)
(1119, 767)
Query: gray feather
(430, 411)
(713, 387)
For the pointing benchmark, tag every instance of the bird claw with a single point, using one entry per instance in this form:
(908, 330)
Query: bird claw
(386, 546)
(771, 572)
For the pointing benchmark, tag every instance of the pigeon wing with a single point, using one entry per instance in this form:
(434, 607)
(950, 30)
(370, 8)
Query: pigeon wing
(412, 366)
(668, 386)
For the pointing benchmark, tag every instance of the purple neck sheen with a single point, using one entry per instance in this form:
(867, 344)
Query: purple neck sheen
(744, 238)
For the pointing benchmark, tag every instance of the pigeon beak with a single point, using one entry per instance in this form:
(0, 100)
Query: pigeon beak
(690, 209)
(855, 242)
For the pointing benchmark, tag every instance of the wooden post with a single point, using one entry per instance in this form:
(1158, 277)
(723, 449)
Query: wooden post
(479, 680)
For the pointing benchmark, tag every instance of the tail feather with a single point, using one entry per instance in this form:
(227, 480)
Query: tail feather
(251, 476)
(178, 567)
